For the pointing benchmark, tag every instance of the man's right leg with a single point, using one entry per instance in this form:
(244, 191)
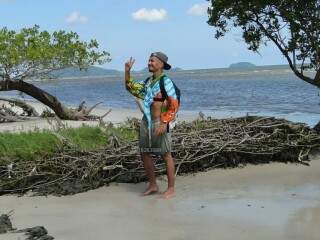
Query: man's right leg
(169, 193)
(149, 167)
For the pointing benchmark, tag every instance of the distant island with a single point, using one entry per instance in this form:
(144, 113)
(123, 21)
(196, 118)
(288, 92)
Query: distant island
(242, 65)
(91, 71)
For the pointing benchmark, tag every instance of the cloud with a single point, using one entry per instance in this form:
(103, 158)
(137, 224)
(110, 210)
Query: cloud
(75, 17)
(150, 15)
(198, 9)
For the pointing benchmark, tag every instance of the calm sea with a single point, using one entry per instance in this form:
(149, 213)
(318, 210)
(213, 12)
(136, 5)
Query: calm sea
(263, 91)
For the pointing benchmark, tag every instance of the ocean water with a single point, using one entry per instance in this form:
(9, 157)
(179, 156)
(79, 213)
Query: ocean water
(263, 91)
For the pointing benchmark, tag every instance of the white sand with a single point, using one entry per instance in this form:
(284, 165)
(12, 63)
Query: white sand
(273, 201)
(116, 116)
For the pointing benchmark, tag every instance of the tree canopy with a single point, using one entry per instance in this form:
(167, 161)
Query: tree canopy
(32, 53)
(292, 25)
(35, 54)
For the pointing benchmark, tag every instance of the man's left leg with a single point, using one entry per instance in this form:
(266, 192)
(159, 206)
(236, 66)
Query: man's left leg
(170, 167)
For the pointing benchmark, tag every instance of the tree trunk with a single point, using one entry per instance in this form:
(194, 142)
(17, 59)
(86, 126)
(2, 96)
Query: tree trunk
(42, 96)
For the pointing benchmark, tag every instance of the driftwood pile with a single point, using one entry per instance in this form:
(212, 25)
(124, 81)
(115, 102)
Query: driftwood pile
(197, 146)
(15, 110)
(9, 114)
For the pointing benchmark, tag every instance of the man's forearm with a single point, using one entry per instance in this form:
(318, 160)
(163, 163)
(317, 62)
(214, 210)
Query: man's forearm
(127, 75)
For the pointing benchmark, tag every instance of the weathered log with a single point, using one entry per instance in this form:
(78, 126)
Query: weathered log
(27, 108)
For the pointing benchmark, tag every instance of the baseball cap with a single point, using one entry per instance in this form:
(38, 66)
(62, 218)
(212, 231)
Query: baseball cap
(163, 57)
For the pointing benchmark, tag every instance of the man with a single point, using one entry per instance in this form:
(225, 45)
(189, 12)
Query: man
(155, 135)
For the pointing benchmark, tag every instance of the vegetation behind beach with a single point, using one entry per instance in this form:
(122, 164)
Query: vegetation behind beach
(33, 145)
(72, 160)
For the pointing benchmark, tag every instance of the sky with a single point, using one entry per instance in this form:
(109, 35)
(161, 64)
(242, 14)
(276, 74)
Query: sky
(128, 28)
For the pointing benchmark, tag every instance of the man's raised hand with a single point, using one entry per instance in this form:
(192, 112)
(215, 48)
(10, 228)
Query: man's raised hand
(129, 63)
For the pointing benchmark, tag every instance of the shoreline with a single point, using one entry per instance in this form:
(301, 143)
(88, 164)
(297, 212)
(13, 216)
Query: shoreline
(116, 116)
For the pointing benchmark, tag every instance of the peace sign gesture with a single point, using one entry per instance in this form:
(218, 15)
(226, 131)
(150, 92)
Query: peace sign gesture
(128, 65)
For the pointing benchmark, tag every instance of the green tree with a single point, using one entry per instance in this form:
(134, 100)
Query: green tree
(35, 54)
(292, 25)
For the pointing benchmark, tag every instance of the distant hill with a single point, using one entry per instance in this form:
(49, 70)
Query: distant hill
(92, 71)
(242, 65)
(96, 72)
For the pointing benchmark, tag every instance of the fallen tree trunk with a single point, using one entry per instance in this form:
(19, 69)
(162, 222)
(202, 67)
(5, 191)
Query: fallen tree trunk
(197, 146)
(59, 109)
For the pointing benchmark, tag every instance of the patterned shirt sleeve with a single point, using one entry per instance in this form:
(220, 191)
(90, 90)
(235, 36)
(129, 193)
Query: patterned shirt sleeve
(136, 89)
(171, 106)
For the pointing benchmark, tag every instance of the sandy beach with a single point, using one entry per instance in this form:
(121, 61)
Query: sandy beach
(273, 201)
(257, 202)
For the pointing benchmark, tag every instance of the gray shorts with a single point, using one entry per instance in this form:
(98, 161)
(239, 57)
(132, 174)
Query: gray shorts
(160, 144)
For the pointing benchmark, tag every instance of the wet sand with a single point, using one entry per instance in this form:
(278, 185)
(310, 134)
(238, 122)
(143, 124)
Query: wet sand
(258, 202)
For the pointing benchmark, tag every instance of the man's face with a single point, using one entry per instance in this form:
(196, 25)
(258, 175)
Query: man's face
(155, 64)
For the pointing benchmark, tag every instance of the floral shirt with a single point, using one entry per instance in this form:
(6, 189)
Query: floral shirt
(148, 90)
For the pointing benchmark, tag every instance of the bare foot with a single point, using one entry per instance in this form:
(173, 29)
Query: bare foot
(150, 190)
(166, 195)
